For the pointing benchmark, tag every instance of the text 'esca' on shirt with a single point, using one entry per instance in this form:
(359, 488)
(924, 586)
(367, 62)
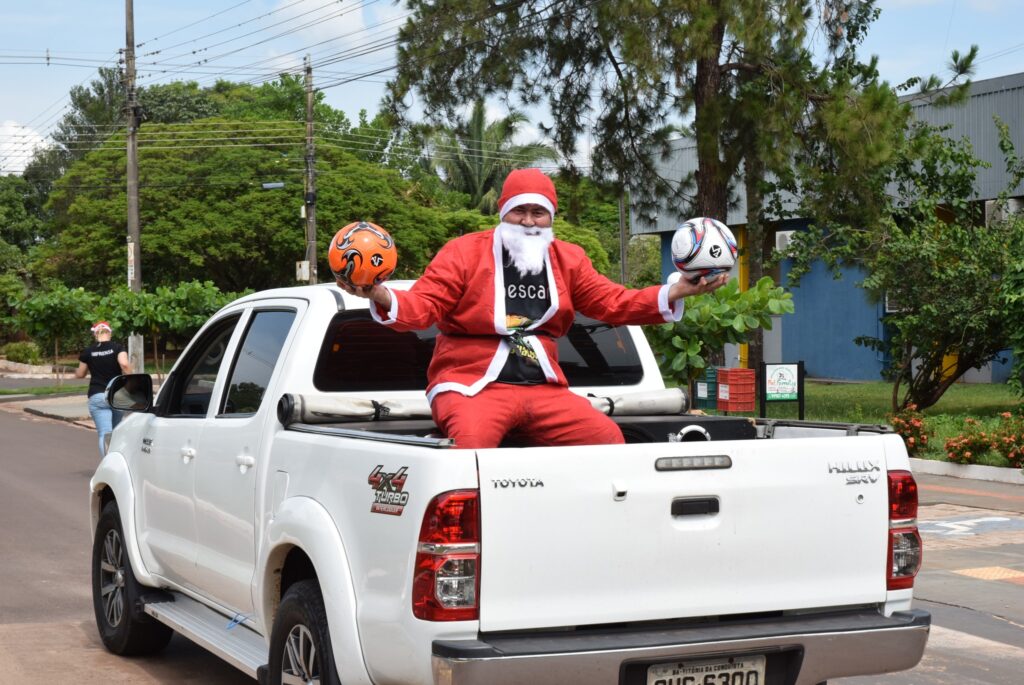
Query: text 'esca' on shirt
(526, 300)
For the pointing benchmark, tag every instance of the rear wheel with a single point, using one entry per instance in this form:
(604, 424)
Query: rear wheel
(116, 595)
(300, 643)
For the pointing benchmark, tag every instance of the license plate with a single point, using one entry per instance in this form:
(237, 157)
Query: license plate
(740, 670)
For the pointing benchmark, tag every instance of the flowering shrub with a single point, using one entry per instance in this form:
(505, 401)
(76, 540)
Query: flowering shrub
(910, 424)
(969, 445)
(1009, 438)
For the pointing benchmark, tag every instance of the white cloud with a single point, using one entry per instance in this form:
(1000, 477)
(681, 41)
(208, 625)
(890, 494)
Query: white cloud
(17, 144)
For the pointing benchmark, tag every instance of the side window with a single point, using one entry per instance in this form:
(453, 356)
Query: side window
(255, 362)
(360, 354)
(192, 388)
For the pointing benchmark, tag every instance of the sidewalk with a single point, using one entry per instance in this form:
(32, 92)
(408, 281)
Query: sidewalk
(72, 407)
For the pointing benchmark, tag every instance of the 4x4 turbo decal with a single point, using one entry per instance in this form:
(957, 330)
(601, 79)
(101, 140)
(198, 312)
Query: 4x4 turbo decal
(388, 496)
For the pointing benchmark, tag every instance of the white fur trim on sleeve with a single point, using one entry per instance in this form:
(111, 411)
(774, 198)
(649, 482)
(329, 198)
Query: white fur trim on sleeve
(392, 312)
(670, 313)
(526, 199)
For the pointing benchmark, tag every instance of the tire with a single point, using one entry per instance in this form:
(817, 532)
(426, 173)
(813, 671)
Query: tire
(300, 643)
(124, 627)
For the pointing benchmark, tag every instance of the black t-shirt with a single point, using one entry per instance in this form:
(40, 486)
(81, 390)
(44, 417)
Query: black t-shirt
(526, 300)
(101, 358)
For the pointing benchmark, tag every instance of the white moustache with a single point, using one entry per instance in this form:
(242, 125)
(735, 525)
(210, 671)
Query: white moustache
(527, 246)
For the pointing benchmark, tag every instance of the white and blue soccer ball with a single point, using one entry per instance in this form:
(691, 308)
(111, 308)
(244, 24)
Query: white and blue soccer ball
(703, 247)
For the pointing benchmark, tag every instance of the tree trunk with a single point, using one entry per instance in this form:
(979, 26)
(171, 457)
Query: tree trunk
(752, 177)
(56, 360)
(712, 180)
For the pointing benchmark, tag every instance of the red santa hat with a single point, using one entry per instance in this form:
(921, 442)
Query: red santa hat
(527, 187)
(100, 326)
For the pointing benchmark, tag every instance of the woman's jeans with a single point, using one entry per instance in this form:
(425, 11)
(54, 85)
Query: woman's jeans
(104, 417)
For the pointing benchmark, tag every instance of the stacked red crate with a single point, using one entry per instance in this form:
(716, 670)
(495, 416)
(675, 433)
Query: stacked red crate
(736, 389)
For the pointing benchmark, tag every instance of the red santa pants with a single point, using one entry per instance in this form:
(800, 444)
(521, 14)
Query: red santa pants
(537, 415)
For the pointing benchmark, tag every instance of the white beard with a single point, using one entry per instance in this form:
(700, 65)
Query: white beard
(526, 246)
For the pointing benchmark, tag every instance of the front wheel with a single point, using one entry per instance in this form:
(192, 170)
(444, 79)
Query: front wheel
(300, 643)
(124, 628)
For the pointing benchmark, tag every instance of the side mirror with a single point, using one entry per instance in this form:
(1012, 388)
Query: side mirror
(132, 392)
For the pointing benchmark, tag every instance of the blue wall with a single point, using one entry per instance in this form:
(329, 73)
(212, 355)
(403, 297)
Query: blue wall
(828, 315)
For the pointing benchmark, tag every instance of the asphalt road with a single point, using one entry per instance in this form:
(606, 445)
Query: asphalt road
(47, 633)
(972, 582)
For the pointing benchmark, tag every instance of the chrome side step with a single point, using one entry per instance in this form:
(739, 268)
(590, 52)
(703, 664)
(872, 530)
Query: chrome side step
(241, 647)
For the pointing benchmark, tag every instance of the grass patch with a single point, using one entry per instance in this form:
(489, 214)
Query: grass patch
(43, 390)
(872, 403)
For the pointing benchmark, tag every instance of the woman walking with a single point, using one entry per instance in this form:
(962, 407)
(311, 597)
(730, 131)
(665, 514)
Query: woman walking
(102, 361)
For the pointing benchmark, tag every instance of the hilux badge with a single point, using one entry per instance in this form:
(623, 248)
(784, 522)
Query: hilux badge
(857, 472)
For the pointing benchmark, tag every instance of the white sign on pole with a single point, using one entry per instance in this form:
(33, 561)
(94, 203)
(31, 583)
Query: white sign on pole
(781, 382)
(131, 263)
(302, 270)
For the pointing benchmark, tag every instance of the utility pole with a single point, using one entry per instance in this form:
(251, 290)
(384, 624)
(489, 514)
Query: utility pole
(135, 341)
(310, 195)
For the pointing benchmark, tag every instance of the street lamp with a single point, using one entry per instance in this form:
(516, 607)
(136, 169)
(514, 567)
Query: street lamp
(303, 269)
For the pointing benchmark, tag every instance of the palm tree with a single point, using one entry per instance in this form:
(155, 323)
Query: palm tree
(475, 156)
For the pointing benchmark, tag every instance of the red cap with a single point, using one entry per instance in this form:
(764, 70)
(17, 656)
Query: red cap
(527, 187)
(99, 326)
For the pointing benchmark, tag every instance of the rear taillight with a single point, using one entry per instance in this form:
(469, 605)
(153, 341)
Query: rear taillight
(904, 557)
(446, 579)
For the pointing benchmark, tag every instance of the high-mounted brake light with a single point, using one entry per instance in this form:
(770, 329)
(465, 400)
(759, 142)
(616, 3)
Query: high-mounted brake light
(904, 556)
(446, 579)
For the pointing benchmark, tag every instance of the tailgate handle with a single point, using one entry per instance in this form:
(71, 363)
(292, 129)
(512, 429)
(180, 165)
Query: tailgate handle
(694, 506)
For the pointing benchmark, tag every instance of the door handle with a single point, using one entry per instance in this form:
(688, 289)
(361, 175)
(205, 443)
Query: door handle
(694, 506)
(187, 454)
(245, 462)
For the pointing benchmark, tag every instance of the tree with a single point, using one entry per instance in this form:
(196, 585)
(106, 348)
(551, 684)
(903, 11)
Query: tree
(164, 311)
(945, 271)
(205, 215)
(475, 155)
(645, 68)
(1013, 278)
(710, 321)
(178, 102)
(20, 227)
(56, 313)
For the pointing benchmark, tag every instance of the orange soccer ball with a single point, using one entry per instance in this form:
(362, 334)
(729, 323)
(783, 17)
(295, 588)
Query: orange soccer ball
(362, 254)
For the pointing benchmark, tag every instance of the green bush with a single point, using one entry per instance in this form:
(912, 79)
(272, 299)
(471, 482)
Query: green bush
(22, 352)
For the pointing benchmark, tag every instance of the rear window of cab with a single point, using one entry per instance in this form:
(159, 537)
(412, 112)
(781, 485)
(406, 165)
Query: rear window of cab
(359, 354)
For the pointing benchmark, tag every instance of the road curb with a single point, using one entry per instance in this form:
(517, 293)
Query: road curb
(995, 474)
(77, 420)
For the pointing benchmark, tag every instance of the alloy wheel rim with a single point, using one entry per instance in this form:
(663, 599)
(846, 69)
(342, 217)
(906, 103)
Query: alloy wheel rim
(112, 578)
(300, 665)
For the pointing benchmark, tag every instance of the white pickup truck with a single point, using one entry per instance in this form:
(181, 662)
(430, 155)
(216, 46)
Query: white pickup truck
(287, 503)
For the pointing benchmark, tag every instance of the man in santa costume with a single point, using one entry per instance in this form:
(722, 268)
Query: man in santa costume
(500, 298)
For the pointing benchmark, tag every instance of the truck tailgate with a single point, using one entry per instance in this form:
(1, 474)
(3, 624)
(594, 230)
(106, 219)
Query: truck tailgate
(589, 535)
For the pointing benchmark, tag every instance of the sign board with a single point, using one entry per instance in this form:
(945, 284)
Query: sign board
(302, 271)
(781, 382)
(131, 263)
(702, 391)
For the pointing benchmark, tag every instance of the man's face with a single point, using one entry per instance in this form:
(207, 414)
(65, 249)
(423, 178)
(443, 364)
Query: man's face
(528, 216)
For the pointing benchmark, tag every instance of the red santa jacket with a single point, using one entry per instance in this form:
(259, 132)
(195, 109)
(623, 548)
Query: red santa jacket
(463, 292)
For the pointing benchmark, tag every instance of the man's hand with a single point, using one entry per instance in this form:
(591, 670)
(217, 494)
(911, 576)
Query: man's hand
(376, 293)
(684, 288)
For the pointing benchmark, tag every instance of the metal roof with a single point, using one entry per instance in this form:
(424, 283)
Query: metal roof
(1002, 96)
(974, 118)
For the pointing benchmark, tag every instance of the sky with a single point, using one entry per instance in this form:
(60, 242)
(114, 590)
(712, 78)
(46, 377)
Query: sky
(250, 39)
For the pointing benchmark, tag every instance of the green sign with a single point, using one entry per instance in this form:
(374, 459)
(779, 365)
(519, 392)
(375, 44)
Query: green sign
(781, 382)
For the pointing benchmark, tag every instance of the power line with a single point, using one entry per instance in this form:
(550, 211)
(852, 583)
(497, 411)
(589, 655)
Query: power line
(200, 21)
(214, 33)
